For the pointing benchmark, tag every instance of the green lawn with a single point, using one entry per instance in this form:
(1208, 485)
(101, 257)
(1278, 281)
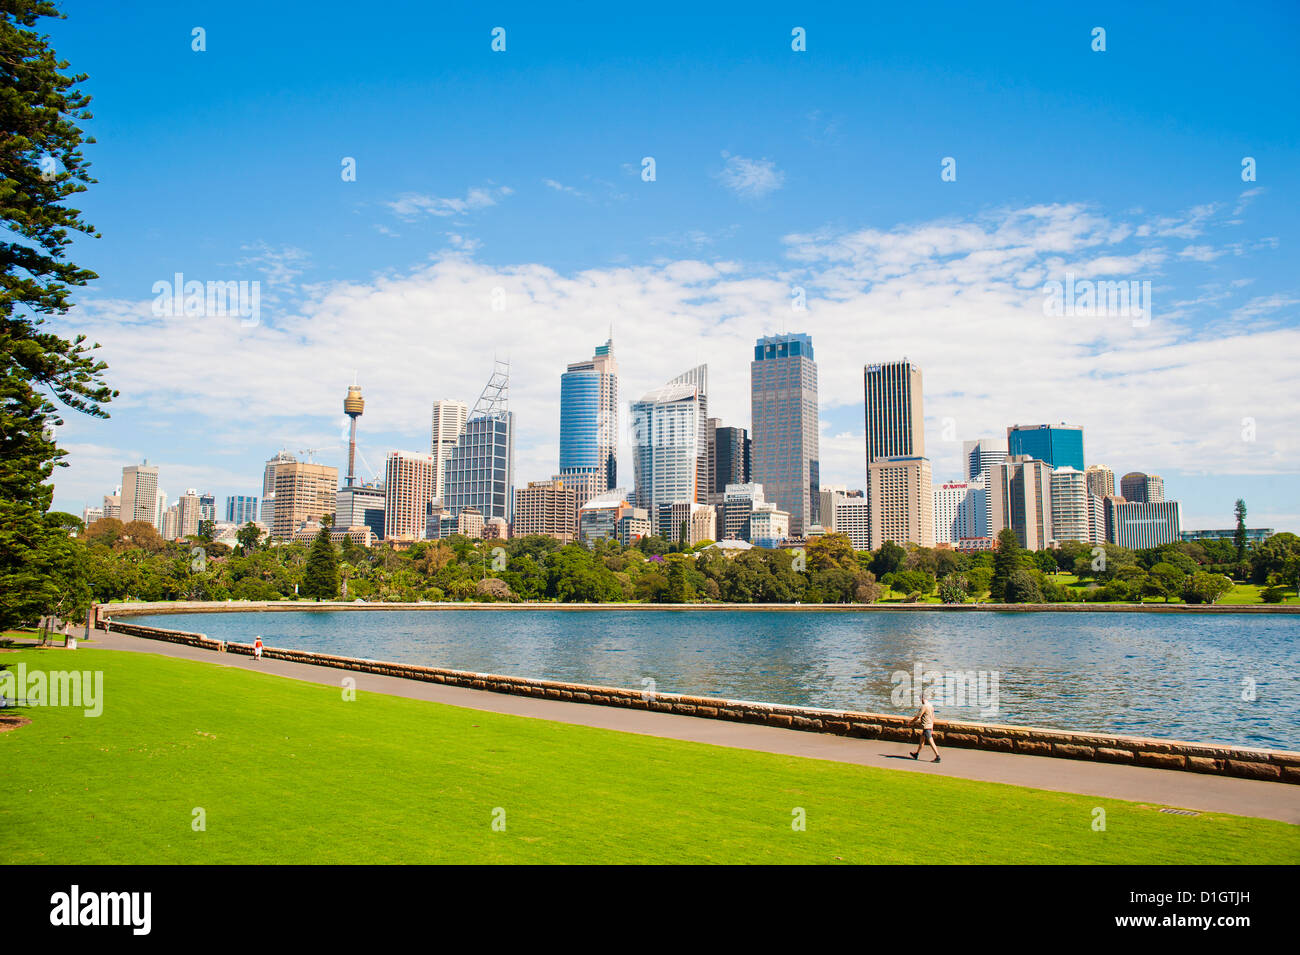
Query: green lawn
(291, 772)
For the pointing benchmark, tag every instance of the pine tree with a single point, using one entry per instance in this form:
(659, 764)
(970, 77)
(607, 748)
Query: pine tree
(41, 165)
(320, 575)
(1239, 537)
(1006, 560)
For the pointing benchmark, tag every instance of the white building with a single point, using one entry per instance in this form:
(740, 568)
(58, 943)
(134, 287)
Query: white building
(448, 423)
(670, 454)
(140, 494)
(1071, 515)
(960, 511)
(768, 525)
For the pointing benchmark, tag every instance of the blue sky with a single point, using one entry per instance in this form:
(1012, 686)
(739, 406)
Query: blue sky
(521, 171)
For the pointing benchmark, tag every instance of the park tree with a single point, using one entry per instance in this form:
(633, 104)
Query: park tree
(320, 575)
(1239, 535)
(1206, 588)
(41, 167)
(1006, 559)
(247, 538)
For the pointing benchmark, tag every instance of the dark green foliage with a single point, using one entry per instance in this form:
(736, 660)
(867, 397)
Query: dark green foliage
(320, 576)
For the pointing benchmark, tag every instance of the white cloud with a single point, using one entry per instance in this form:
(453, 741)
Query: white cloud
(750, 178)
(412, 205)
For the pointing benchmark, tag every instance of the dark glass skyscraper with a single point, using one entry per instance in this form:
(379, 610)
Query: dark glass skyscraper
(783, 405)
(1060, 445)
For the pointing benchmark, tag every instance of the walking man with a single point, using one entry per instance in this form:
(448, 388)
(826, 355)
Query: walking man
(257, 648)
(925, 717)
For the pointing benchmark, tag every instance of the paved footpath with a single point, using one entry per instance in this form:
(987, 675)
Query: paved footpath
(1183, 790)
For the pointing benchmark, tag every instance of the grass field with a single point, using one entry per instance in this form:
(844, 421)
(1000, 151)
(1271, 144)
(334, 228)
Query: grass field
(286, 771)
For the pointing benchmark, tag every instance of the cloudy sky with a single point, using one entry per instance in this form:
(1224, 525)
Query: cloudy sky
(503, 207)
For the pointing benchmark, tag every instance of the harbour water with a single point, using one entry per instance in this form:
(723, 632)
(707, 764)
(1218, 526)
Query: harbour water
(1221, 678)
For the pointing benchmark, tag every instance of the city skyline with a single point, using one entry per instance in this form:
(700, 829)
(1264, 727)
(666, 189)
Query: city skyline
(818, 203)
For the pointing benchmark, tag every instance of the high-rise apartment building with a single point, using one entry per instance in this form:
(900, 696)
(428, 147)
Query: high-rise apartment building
(900, 498)
(1139, 488)
(480, 472)
(449, 418)
(140, 494)
(589, 418)
(547, 507)
(785, 454)
(1101, 480)
(304, 492)
(410, 483)
(1071, 509)
(190, 505)
(1060, 445)
(113, 505)
(268, 485)
(1021, 492)
(669, 458)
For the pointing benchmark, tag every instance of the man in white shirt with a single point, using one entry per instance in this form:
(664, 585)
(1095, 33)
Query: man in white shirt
(925, 717)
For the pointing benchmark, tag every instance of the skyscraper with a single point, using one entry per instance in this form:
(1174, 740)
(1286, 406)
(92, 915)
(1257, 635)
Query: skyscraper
(1136, 487)
(409, 483)
(268, 486)
(699, 377)
(480, 472)
(1101, 480)
(190, 513)
(900, 501)
(895, 433)
(140, 494)
(589, 418)
(240, 509)
(1021, 491)
(980, 455)
(786, 459)
(669, 449)
(448, 423)
(1071, 507)
(1060, 445)
(304, 492)
(728, 451)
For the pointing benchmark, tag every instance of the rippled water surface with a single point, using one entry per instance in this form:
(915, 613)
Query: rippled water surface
(1176, 676)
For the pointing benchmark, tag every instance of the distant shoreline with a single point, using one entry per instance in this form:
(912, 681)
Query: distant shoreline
(284, 606)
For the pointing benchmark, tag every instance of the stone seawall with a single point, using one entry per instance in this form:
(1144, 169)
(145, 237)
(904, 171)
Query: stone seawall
(1223, 760)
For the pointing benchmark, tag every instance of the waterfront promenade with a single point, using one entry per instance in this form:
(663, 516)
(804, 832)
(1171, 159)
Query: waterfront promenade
(1197, 792)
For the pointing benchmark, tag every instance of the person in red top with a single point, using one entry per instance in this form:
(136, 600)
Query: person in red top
(257, 648)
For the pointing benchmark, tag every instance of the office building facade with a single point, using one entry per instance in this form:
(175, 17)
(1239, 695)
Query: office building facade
(785, 453)
(1071, 508)
(241, 509)
(1142, 524)
(303, 493)
(589, 418)
(140, 494)
(1060, 445)
(448, 422)
(900, 497)
(549, 508)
